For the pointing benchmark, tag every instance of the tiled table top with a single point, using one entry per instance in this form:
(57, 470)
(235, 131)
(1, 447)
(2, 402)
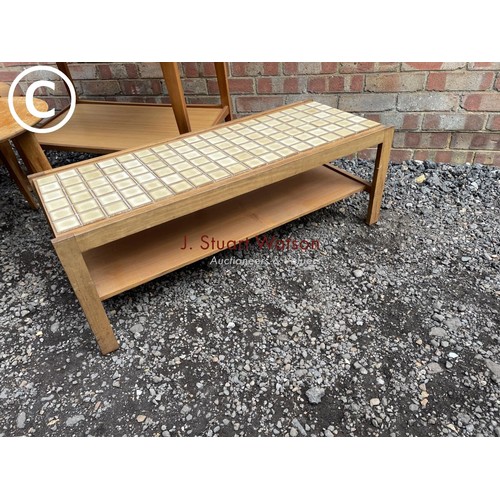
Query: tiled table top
(75, 197)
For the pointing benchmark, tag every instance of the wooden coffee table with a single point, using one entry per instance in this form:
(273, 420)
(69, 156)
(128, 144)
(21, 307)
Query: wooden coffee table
(26, 143)
(122, 219)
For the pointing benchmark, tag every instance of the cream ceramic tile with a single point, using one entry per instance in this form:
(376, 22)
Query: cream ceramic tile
(115, 208)
(209, 167)
(132, 192)
(148, 176)
(144, 153)
(48, 179)
(102, 190)
(78, 197)
(95, 183)
(46, 188)
(61, 213)
(181, 186)
(162, 172)
(131, 164)
(137, 201)
(66, 174)
(218, 174)
(106, 163)
(200, 161)
(113, 169)
(91, 216)
(160, 149)
(66, 224)
(124, 184)
(152, 185)
(200, 180)
(120, 176)
(171, 179)
(160, 193)
(179, 167)
(71, 180)
(192, 172)
(86, 205)
(76, 188)
(149, 159)
(106, 199)
(156, 165)
(59, 203)
(255, 162)
(138, 171)
(125, 158)
(238, 167)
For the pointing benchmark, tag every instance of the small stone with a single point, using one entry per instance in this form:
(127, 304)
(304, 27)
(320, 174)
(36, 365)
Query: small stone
(140, 418)
(71, 421)
(453, 355)
(329, 433)
(314, 395)
(54, 327)
(464, 418)
(137, 328)
(437, 332)
(293, 432)
(21, 420)
(434, 368)
(449, 365)
(358, 273)
(165, 434)
(453, 323)
(414, 407)
(299, 427)
(420, 179)
(374, 402)
(116, 383)
(493, 367)
(231, 325)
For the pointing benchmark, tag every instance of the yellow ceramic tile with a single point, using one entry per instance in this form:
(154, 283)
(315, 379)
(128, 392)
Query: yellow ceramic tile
(317, 141)
(78, 197)
(285, 152)
(255, 162)
(243, 156)
(357, 128)
(301, 146)
(200, 161)
(269, 157)
(173, 160)
(179, 167)
(95, 183)
(156, 165)
(181, 186)
(66, 174)
(160, 149)
(76, 188)
(149, 159)
(71, 180)
(66, 224)
(168, 153)
(113, 169)
(138, 171)
(191, 155)
(91, 216)
(96, 174)
(216, 156)
(225, 162)
(48, 179)
(239, 140)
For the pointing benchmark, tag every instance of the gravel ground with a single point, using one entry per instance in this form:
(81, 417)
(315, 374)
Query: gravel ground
(392, 329)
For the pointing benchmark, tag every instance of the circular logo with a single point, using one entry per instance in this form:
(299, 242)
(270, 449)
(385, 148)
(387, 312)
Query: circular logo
(30, 97)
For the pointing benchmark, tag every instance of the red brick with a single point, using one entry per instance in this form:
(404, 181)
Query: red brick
(356, 83)
(241, 85)
(208, 69)
(497, 83)
(395, 82)
(336, 83)
(460, 81)
(485, 65)
(254, 68)
(264, 85)
(401, 155)
(444, 156)
(368, 67)
(117, 71)
(140, 87)
(476, 140)
(488, 158)
(401, 121)
(317, 84)
(427, 101)
(150, 70)
(437, 140)
(493, 122)
(104, 72)
(482, 102)
(8, 76)
(453, 121)
(100, 88)
(251, 104)
(191, 69)
(83, 71)
(290, 68)
(329, 67)
(367, 154)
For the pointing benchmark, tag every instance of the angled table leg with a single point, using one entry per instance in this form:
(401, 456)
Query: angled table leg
(9, 159)
(31, 152)
(74, 264)
(379, 175)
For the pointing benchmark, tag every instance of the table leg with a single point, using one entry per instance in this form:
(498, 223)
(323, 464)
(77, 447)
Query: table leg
(74, 264)
(31, 152)
(9, 159)
(379, 175)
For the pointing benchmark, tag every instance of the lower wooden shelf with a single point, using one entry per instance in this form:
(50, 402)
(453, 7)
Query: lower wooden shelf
(141, 257)
(106, 128)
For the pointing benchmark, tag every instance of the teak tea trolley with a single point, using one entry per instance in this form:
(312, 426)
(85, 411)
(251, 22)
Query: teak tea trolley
(120, 220)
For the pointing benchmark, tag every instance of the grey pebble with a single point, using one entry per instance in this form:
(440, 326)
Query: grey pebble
(315, 394)
(21, 420)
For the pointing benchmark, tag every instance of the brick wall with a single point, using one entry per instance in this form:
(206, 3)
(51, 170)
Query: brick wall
(447, 112)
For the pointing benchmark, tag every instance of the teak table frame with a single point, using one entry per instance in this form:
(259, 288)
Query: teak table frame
(108, 257)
